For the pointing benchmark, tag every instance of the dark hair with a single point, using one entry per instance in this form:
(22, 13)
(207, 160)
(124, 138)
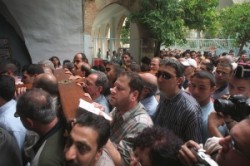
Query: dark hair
(51, 59)
(84, 58)
(163, 144)
(38, 105)
(179, 68)
(117, 69)
(151, 87)
(102, 80)
(226, 65)
(98, 123)
(134, 67)
(7, 65)
(7, 87)
(35, 69)
(86, 70)
(135, 81)
(205, 75)
(66, 61)
(127, 53)
(69, 65)
(209, 66)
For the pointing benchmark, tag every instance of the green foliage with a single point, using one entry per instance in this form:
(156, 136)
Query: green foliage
(200, 14)
(163, 18)
(125, 32)
(235, 23)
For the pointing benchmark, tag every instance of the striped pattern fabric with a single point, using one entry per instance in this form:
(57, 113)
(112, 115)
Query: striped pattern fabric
(125, 127)
(182, 115)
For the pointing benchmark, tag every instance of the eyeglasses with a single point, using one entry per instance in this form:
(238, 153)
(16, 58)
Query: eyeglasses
(164, 75)
(233, 146)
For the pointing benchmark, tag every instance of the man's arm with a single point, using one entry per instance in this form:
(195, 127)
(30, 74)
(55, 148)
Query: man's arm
(214, 122)
(114, 153)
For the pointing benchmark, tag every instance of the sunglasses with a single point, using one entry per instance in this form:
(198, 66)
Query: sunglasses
(164, 75)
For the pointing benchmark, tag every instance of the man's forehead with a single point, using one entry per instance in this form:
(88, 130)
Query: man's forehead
(167, 68)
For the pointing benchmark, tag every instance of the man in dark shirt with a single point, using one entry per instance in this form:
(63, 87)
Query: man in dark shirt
(177, 110)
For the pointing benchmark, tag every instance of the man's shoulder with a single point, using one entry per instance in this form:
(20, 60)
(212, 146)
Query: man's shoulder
(52, 152)
(141, 116)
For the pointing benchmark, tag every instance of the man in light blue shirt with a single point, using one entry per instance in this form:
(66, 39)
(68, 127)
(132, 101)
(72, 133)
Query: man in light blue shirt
(95, 85)
(148, 99)
(202, 85)
(8, 109)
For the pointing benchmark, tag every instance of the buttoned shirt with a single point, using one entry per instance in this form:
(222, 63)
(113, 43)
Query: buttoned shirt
(181, 114)
(150, 103)
(12, 123)
(103, 101)
(126, 127)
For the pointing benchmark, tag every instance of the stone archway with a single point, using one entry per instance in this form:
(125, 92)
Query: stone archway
(100, 14)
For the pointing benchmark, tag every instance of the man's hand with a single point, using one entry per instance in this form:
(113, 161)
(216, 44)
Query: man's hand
(186, 156)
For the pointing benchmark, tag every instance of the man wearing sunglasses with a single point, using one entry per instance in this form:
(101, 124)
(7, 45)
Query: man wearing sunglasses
(177, 110)
(234, 149)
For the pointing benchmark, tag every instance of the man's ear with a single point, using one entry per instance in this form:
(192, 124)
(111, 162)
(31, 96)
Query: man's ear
(98, 154)
(28, 123)
(180, 80)
(100, 88)
(134, 95)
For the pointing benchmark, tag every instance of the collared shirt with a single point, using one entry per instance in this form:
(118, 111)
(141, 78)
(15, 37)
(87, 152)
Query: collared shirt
(103, 101)
(182, 115)
(125, 127)
(206, 110)
(150, 103)
(12, 123)
(224, 90)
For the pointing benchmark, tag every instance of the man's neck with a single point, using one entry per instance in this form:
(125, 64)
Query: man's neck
(170, 96)
(45, 128)
(203, 103)
(219, 85)
(95, 96)
(123, 110)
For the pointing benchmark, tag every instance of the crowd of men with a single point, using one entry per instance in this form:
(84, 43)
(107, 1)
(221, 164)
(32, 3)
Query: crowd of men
(163, 110)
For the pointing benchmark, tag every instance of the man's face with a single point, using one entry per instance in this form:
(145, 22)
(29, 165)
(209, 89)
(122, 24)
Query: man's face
(201, 90)
(90, 86)
(141, 156)
(236, 147)
(188, 72)
(81, 147)
(167, 80)
(110, 72)
(222, 74)
(26, 78)
(239, 87)
(120, 93)
(78, 62)
(154, 65)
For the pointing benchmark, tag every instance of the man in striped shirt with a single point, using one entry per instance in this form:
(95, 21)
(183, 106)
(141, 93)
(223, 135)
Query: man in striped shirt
(128, 116)
(177, 110)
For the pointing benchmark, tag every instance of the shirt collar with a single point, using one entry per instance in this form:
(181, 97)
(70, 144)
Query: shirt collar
(7, 105)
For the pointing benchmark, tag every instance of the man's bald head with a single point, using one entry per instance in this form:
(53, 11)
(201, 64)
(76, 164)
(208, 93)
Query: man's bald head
(47, 82)
(150, 83)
